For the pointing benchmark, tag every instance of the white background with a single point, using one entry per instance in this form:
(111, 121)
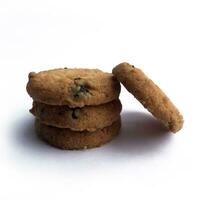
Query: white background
(161, 37)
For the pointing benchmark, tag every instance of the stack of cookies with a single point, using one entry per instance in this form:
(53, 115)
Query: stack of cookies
(75, 108)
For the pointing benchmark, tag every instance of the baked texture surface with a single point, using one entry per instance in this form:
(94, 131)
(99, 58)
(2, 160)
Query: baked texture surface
(149, 95)
(88, 118)
(68, 139)
(73, 87)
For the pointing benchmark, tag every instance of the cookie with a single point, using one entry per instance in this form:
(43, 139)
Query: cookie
(68, 139)
(73, 87)
(88, 118)
(149, 95)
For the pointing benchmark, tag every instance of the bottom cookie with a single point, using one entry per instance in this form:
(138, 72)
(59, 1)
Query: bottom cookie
(67, 139)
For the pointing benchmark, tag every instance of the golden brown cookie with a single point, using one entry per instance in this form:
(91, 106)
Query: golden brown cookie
(150, 95)
(73, 87)
(68, 139)
(88, 118)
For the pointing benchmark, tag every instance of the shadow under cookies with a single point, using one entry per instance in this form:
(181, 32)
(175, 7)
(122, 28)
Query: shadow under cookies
(140, 134)
(25, 138)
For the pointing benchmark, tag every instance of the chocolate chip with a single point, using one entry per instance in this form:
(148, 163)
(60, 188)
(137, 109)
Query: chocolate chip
(75, 113)
(80, 89)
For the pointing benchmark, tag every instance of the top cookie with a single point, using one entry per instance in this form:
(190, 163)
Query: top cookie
(149, 95)
(73, 87)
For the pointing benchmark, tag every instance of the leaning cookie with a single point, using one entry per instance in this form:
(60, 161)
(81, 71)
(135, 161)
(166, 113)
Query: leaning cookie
(150, 95)
(88, 118)
(73, 87)
(68, 139)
